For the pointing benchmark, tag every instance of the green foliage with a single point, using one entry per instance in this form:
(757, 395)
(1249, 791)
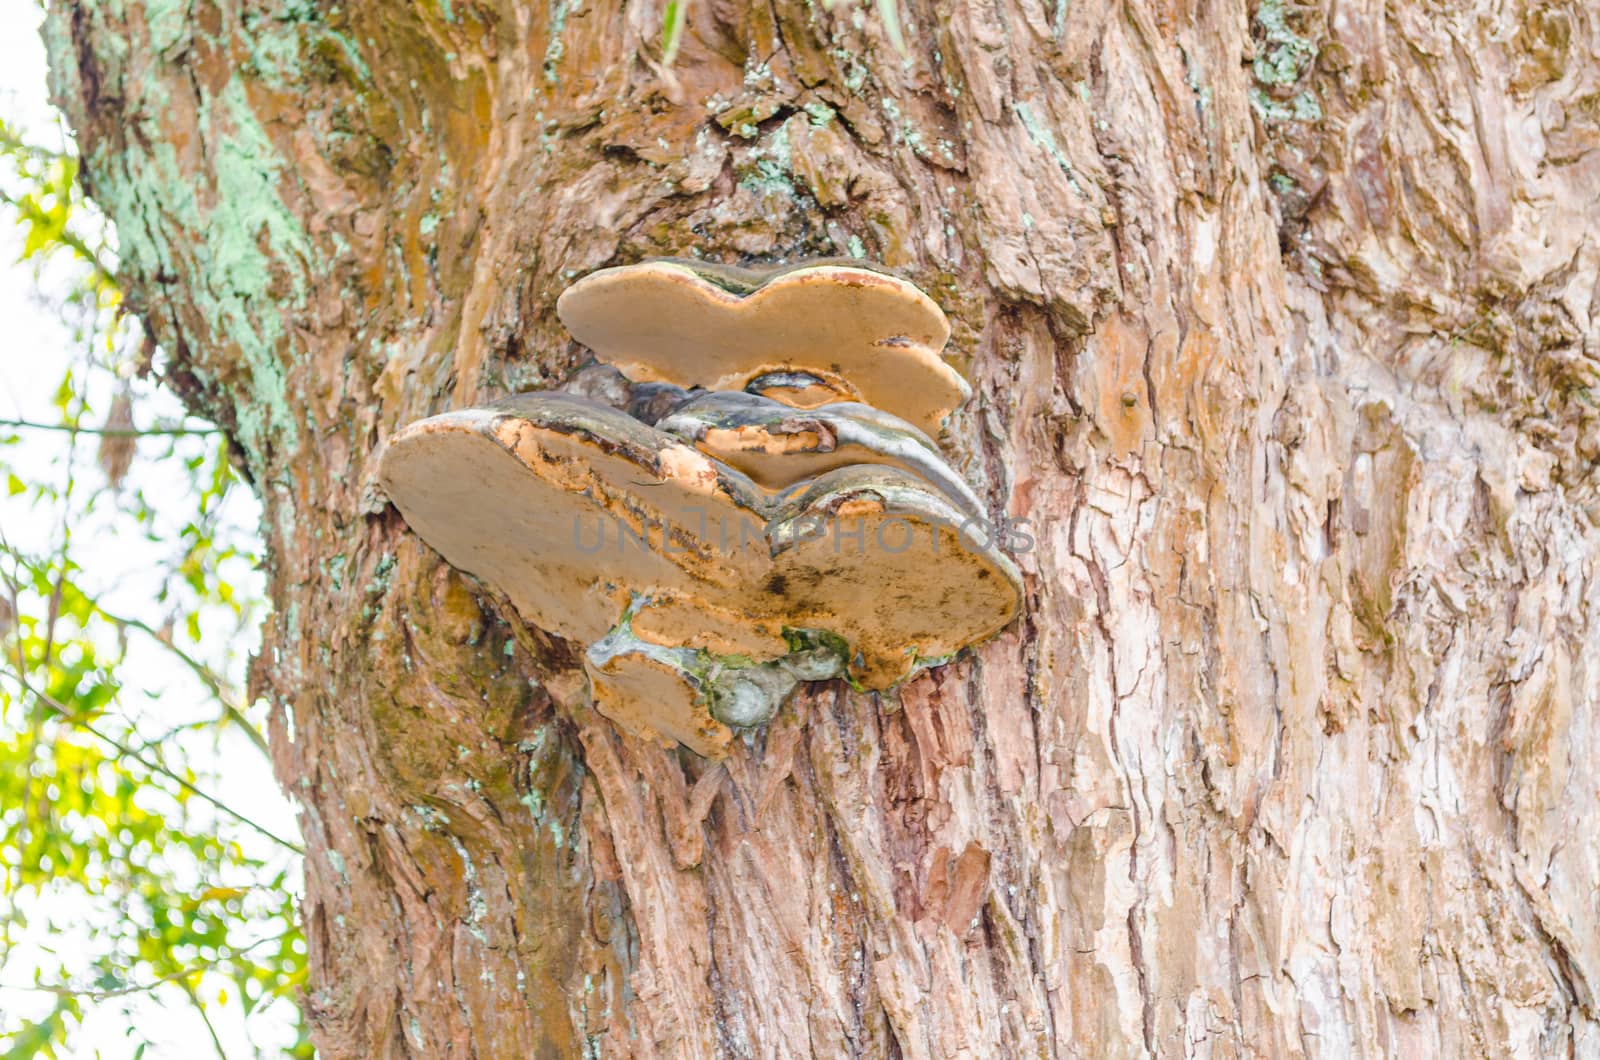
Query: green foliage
(677, 15)
(128, 602)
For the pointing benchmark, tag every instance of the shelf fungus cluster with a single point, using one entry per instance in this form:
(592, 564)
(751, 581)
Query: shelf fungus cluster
(740, 495)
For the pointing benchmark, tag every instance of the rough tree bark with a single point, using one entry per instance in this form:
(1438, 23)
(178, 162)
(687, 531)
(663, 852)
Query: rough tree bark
(1282, 322)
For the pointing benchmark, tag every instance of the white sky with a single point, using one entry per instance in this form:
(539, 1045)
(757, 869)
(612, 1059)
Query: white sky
(34, 352)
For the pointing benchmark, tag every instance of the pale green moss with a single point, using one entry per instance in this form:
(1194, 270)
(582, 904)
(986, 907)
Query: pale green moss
(274, 53)
(774, 167)
(245, 236)
(1302, 107)
(819, 113)
(168, 23)
(280, 41)
(380, 576)
(1039, 132)
(432, 819)
(555, 49)
(855, 74)
(1058, 19)
(1285, 55)
(477, 907)
(233, 250)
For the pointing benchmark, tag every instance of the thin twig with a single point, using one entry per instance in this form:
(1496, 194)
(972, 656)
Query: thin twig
(111, 432)
(101, 995)
(125, 751)
(224, 693)
(221, 689)
(199, 1006)
(142, 988)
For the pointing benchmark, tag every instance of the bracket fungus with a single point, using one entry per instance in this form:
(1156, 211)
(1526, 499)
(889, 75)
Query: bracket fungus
(861, 334)
(800, 390)
(778, 445)
(711, 549)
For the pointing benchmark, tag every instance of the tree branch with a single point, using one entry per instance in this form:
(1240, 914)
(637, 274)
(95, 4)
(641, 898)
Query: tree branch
(123, 750)
(88, 994)
(199, 1006)
(112, 432)
(226, 695)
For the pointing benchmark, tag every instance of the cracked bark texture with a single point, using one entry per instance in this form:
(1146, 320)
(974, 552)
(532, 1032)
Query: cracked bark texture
(1282, 322)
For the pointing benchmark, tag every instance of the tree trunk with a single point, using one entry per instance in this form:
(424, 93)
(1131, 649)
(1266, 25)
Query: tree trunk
(1282, 327)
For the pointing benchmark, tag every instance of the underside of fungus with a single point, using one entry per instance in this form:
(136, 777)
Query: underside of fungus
(711, 549)
(778, 446)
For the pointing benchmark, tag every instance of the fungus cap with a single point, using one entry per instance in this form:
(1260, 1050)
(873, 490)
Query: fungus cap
(871, 554)
(566, 505)
(897, 570)
(654, 692)
(695, 326)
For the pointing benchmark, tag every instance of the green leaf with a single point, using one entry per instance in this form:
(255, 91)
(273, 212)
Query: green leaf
(677, 17)
(90, 812)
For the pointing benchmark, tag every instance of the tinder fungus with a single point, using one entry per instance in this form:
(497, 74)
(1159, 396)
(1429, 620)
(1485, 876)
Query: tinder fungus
(744, 497)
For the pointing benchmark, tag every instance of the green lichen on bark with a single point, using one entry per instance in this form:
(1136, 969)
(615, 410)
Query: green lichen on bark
(235, 234)
(1283, 63)
(1284, 56)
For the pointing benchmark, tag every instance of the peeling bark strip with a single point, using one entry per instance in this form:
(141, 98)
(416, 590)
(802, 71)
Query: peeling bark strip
(1282, 326)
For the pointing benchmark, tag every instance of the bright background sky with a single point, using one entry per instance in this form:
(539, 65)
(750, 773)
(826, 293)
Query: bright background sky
(36, 350)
